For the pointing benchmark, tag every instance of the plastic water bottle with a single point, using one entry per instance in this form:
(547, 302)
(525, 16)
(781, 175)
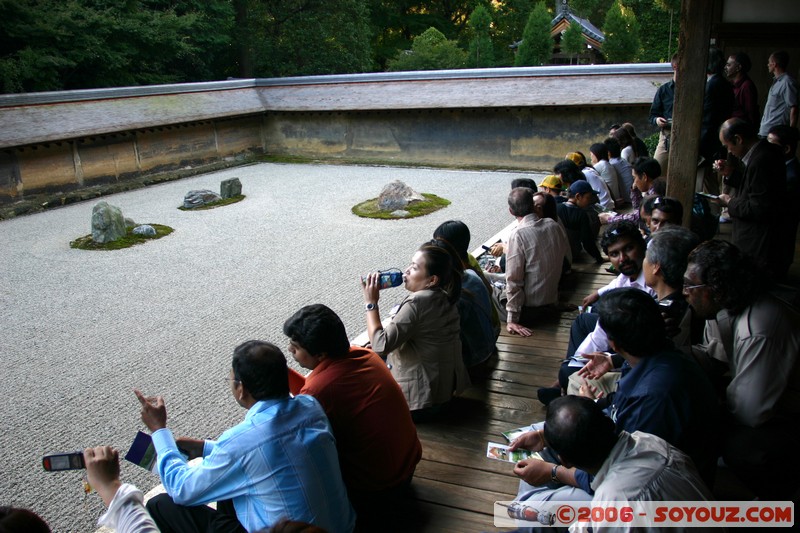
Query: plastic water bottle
(387, 279)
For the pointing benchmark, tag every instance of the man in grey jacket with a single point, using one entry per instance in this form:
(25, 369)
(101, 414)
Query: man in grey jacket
(757, 337)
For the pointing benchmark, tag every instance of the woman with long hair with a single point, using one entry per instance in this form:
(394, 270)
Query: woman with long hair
(421, 343)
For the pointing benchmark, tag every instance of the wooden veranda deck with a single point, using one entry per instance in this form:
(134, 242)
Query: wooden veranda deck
(455, 485)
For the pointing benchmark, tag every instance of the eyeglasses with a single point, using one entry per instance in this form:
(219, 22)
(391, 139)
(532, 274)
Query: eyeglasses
(232, 380)
(690, 287)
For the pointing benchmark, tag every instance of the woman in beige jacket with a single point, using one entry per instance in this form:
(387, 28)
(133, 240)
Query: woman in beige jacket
(421, 343)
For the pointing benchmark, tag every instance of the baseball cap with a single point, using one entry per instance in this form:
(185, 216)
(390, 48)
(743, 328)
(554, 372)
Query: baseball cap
(552, 182)
(576, 158)
(580, 187)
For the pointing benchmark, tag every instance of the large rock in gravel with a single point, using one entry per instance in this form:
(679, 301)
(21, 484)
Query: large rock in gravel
(230, 188)
(108, 224)
(200, 197)
(397, 195)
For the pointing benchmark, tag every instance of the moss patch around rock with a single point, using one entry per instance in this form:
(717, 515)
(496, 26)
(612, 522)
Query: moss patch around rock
(369, 209)
(131, 239)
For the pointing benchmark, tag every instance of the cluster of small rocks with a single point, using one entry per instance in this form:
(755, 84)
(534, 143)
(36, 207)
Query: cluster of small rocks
(229, 188)
(108, 223)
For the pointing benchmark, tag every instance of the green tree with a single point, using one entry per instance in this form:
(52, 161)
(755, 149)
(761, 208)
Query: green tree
(659, 24)
(75, 44)
(537, 44)
(510, 19)
(307, 37)
(395, 23)
(430, 51)
(593, 10)
(622, 35)
(481, 48)
(572, 40)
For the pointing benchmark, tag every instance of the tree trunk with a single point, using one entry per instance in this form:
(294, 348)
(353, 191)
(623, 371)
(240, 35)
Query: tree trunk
(243, 39)
(687, 113)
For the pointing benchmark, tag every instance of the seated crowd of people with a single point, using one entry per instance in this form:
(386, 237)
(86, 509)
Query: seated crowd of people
(684, 358)
(685, 355)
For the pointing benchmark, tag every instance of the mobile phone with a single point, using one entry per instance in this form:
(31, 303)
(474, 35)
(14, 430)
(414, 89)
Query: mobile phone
(670, 308)
(55, 462)
(707, 195)
(487, 248)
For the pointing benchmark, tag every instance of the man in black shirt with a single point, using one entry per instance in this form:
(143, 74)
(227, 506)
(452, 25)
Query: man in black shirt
(573, 215)
(661, 116)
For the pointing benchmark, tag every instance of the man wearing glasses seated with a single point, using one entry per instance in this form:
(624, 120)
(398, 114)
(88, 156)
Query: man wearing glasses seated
(757, 338)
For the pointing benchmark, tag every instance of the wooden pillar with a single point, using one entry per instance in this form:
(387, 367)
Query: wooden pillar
(687, 113)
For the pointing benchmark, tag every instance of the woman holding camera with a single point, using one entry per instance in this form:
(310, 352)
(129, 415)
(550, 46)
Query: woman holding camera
(421, 343)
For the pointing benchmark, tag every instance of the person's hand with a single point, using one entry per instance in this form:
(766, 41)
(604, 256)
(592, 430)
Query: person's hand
(723, 168)
(661, 122)
(154, 412)
(192, 447)
(102, 469)
(534, 471)
(589, 300)
(371, 287)
(497, 249)
(604, 217)
(587, 390)
(517, 329)
(724, 199)
(530, 440)
(597, 365)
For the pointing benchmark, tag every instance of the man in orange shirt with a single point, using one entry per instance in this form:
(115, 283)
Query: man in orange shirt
(375, 436)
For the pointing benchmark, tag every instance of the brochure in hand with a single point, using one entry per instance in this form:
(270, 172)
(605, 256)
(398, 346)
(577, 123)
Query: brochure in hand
(142, 452)
(512, 434)
(501, 452)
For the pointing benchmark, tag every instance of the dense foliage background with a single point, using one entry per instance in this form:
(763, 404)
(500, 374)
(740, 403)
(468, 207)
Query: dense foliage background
(71, 44)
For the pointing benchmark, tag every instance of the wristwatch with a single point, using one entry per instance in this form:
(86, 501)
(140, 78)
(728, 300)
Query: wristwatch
(370, 306)
(553, 473)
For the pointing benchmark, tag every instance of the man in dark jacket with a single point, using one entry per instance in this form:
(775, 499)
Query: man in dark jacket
(757, 207)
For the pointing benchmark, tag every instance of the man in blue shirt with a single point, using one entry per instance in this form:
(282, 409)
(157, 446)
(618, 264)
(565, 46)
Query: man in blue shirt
(661, 391)
(279, 463)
